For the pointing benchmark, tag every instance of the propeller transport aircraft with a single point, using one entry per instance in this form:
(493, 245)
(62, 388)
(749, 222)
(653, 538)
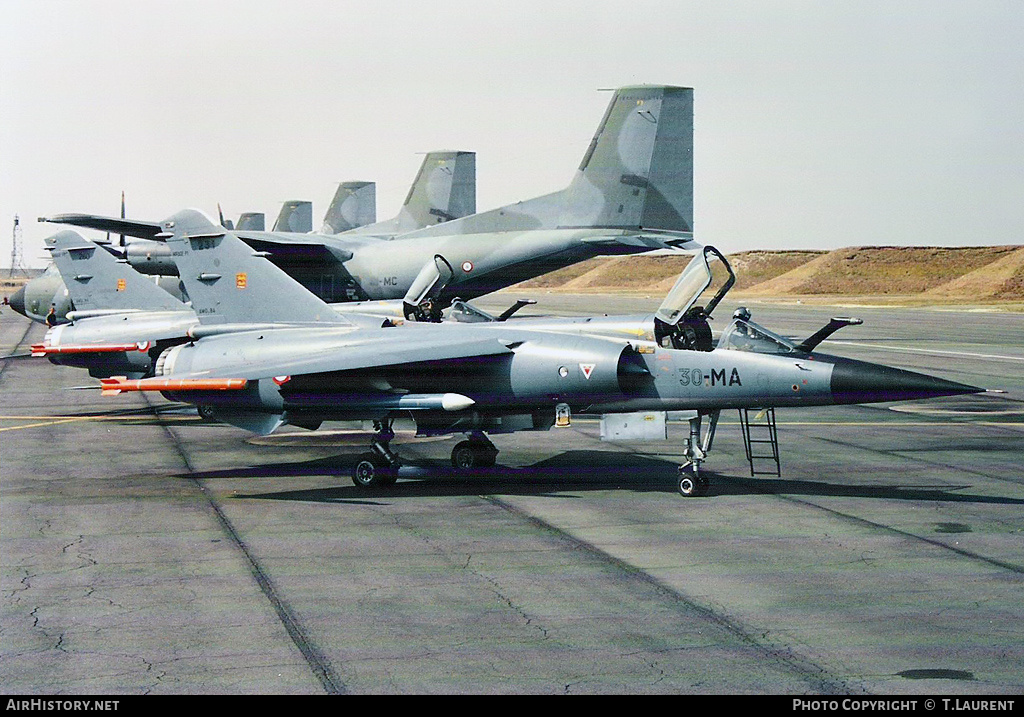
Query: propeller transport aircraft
(295, 360)
(632, 193)
(444, 188)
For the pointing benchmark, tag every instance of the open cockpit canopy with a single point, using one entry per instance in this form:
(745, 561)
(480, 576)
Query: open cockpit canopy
(707, 275)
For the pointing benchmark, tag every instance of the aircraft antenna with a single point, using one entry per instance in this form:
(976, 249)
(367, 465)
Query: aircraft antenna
(17, 255)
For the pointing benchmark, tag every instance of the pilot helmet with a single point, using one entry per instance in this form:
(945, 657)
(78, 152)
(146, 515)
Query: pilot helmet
(741, 313)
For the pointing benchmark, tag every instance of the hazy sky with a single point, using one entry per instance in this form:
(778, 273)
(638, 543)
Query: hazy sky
(818, 124)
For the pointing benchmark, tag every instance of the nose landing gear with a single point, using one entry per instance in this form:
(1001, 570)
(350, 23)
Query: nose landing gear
(691, 482)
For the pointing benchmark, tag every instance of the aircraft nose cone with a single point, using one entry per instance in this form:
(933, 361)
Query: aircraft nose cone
(862, 382)
(18, 301)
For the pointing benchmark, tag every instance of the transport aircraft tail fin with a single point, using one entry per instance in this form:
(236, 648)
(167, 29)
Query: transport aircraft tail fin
(354, 205)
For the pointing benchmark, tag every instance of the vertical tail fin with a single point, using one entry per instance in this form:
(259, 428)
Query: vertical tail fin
(638, 171)
(444, 189)
(296, 216)
(251, 221)
(97, 280)
(636, 174)
(354, 205)
(229, 283)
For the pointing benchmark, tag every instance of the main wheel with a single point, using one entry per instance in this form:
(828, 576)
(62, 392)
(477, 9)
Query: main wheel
(206, 412)
(372, 472)
(465, 456)
(486, 455)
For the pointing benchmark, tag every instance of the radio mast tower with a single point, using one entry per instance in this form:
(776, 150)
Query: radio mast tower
(17, 257)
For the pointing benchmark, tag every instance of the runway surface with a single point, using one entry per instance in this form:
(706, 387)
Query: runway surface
(145, 551)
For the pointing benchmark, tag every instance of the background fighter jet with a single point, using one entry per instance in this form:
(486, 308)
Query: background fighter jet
(122, 319)
(263, 363)
(633, 192)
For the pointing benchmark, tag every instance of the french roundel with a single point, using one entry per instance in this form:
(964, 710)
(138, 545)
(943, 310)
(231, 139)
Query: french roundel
(467, 266)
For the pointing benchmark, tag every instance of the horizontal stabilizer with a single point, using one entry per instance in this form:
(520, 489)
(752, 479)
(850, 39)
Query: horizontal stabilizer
(284, 252)
(643, 241)
(128, 227)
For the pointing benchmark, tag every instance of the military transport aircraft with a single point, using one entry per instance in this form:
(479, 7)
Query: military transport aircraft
(632, 193)
(262, 363)
(444, 187)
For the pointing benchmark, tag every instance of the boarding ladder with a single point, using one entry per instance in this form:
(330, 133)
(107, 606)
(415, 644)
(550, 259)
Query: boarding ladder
(761, 440)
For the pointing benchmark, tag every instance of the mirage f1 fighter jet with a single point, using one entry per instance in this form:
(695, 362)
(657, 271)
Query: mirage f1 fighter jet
(122, 320)
(262, 363)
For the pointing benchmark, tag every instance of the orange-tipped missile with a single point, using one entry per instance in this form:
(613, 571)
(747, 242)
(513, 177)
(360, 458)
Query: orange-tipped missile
(116, 384)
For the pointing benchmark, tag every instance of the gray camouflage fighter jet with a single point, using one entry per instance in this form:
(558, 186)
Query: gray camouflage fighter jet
(632, 193)
(122, 320)
(264, 363)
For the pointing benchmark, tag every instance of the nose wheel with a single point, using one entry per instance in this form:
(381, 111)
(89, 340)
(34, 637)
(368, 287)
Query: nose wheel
(691, 482)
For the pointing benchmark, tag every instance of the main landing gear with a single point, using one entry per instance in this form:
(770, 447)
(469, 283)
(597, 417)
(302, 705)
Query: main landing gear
(379, 466)
(691, 482)
(477, 452)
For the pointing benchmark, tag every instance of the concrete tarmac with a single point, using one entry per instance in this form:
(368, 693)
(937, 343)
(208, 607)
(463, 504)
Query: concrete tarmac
(145, 551)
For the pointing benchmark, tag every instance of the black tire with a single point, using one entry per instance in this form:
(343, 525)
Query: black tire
(371, 472)
(691, 486)
(486, 456)
(207, 413)
(465, 456)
